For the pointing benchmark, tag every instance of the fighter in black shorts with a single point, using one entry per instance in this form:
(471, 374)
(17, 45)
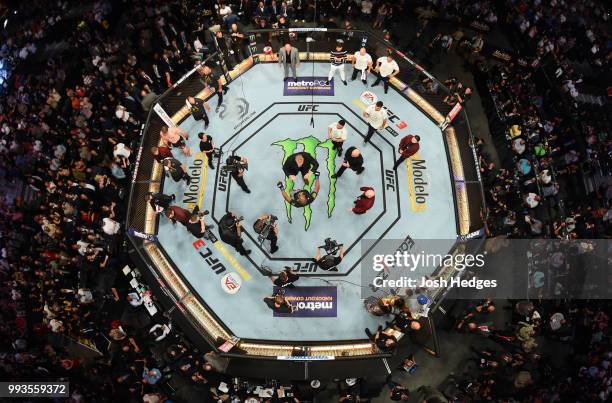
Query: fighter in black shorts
(300, 197)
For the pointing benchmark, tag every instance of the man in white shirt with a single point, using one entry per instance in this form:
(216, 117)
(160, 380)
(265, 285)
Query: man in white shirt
(337, 133)
(376, 116)
(362, 62)
(386, 69)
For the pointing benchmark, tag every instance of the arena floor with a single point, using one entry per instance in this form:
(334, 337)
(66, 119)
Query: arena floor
(259, 123)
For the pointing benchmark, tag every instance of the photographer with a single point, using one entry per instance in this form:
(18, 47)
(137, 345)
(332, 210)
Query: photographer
(198, 108)
(196, 225)
(285, 278)
(267, 228)
(300, 197)
(330, 260)
(176, 213)
(207, 147)
(236, 165)
(230, 232)
(279, 304)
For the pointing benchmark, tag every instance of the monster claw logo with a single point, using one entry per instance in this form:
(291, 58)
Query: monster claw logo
(310, 144)
(238, 107)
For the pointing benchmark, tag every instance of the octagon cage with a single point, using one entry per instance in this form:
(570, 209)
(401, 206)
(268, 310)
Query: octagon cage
(294, 359)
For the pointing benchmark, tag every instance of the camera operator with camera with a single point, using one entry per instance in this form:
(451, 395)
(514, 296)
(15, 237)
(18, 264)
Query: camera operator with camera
(230, 231)
(236, 165)
(196, 225)
(208, 147)
(267, 228)
(330, 260)
(300, 197)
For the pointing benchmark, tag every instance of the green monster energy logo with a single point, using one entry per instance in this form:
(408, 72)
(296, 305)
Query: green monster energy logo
(311, 144)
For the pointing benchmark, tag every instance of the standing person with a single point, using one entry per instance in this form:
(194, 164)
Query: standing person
(365, 201)
(376, 116)
(161, 152)
(207, 146)
(175, 136)
(362, 62)
(289, 56)
(238, 41)
(213, 81)
(176, 170)
(299, 9)
(272, 235)
(407, 148)
(238, 163)
(337, 133)
(196, 225)
(230, 232)
(353, 160)
(386, 69)
(337, 58)
(176, 213)
(198, 108)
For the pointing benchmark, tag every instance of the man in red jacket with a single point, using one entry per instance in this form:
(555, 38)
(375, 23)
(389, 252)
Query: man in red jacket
(365, 201)
(407, 148)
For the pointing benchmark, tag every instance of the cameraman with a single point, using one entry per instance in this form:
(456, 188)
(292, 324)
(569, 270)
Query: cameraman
(230, 232)
(329, 261)
(300, 197)
(207, 147)
(260, 226)
(196, 225)
(236, 165)
(198, 108)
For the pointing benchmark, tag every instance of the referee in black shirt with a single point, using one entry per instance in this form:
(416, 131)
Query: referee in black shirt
(337, 58)
(353, 160)
(301, 162)
(214, 81)
(207, 146)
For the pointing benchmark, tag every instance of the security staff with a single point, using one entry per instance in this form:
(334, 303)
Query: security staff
(207, 146)
(337, 133)
(353, 160)
(214, 82)
(230, 232)
(198, 108)
(301, 162)
(301, 197)
(238, 173)
(272, 235)
(159, 202)
(376, 116)
(330, 261)
(386, 69)
(362, 63)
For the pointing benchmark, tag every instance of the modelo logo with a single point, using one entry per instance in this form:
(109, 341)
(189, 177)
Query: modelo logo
(231, 283)
(190, 197)
(368, 98)
(418, 194)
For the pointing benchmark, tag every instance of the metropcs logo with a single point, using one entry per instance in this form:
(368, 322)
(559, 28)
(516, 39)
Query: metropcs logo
(197, 171)
(310, 144)
(305, 83)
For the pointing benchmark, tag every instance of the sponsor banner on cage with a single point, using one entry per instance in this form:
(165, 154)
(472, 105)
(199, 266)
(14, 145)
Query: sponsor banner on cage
(143, 235)
(308, 86)
(311, 302)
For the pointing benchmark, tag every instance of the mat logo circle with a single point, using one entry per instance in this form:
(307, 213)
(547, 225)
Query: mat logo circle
(238, 107)
(368, 98)
(310, 145)
(231, 283)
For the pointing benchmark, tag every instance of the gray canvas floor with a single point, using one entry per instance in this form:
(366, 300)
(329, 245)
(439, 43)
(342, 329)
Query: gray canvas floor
(255, 116)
